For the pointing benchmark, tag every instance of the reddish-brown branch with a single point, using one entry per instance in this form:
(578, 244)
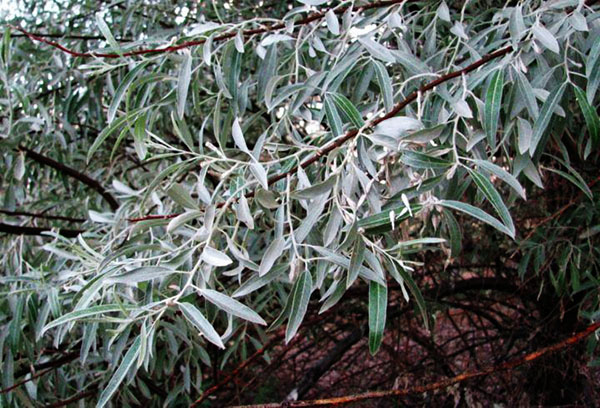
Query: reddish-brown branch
(90, 182)
(509, 365)
(188, 44)
(353, 133)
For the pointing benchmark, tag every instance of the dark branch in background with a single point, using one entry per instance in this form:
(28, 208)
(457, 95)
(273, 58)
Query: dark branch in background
(44, 216)
(353, 133)
(188, 44)
(509, 365)
(19, 230)
(93, 184)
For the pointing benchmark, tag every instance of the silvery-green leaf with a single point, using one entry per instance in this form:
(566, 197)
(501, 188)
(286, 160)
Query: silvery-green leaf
(526, 91)
(142, 274)
(462, 109)
(215, 257)
(377, 50)
(232, 306)
(578, 21)
(348, 109)
(181, 196)
(239, 41)
(398, 126)
(194, 316)
(119, 375)
(123, 86)
(207, 50)
(90, 311)
(182, 219)
(545, 115)
(260, 173)
(183, 82)
(493, 101)
(377, 315)
(238, 136)
(356, 260)
(477, 213)
(590, 115)
(502, 175)
(272, 253)
(333, 117)
(316, 190)
(544, 36)
(123, 188)
(267, 199)
(313, 2)
(243, 212)
(332, 22)
(299, 297)
(524, 135)
(458, 29)
(107, 33)
(516, 24)
(275, 38)
(492, 195)
(443, 12)
(385, 85)
(202, 28)
(19, 169)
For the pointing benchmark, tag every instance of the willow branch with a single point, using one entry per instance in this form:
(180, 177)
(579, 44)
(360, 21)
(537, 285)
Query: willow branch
(351, 134)
(43, 216)
(509, 365)
(90, 182)
(22, 230)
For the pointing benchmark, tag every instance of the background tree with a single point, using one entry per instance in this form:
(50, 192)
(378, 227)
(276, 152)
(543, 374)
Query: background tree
(240, 202)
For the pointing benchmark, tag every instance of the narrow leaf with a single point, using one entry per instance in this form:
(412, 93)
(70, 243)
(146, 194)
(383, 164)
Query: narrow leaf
(199, 321)
(377, 315)
(299, 296)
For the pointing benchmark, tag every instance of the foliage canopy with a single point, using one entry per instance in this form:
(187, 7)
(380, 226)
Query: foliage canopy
(173, 169)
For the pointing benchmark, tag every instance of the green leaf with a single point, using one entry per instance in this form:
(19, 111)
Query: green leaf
(215, 257)
(349, 110)
(545, 115)
(107, 34)
(181, 196)
(477, 213)
(333, 117)
(316, 190)
(454, 232)
(502, 175)
(274, 251)
(385, 85)
(123, 86)
(402, 277)
(492, 195)
(493, 102)
(119, 375)
(231, 306)
(526, 92)
(199, 321)
(144, 273)
(424, 161)
(91, 311)
(591, 116)
(377, 315)
(107, 131)
(382, 222)
(183, 82)
(576, 179)
(358, 255)
(299, 297)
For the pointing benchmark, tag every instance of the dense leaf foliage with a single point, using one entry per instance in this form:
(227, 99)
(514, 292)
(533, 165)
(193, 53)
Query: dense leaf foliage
(183, 179)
